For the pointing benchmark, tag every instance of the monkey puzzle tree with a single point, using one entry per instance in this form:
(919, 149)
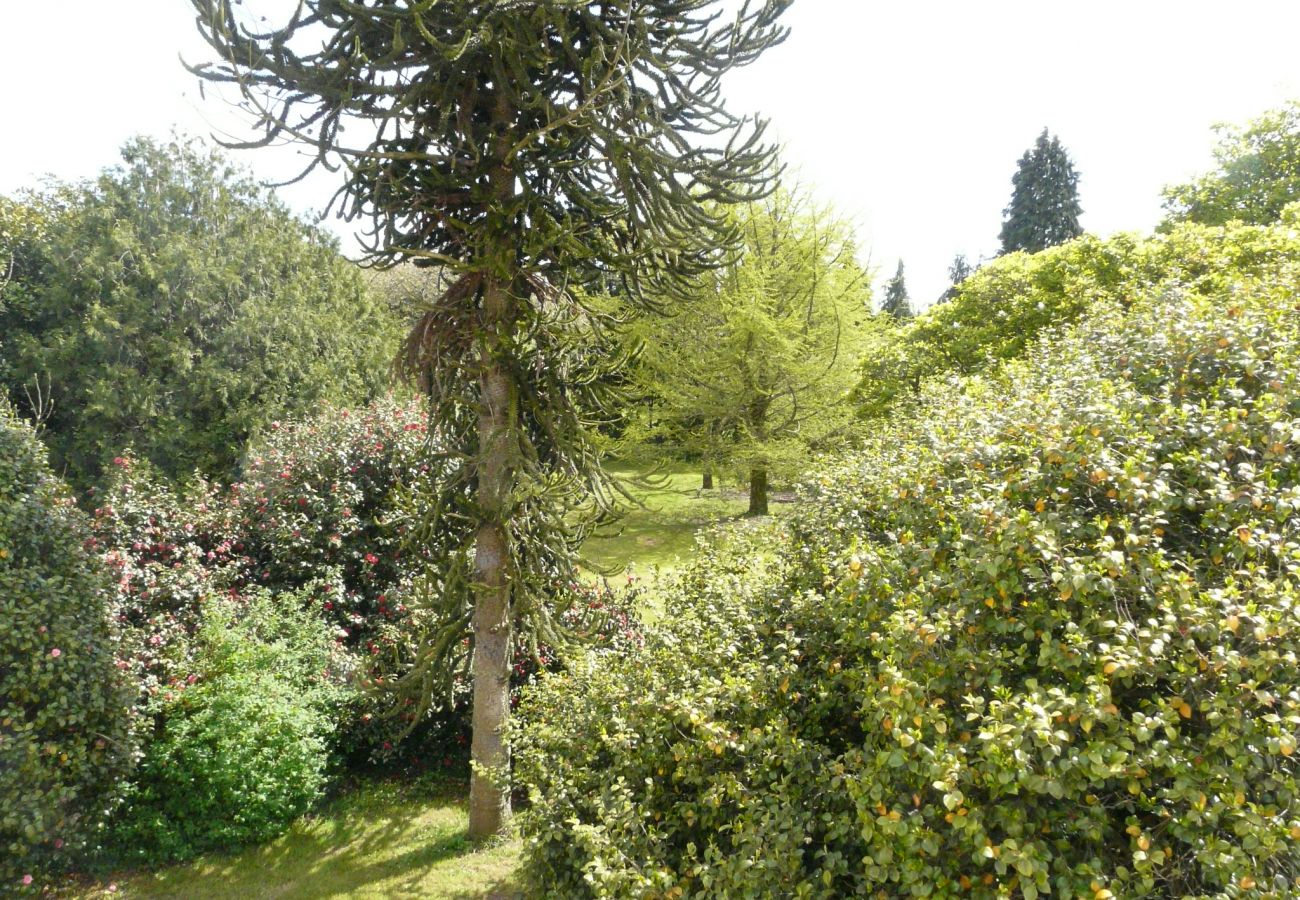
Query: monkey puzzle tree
(531, 148)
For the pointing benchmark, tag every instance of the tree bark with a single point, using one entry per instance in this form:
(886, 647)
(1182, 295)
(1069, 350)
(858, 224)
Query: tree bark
(707, 482)
(489, 793)
(757, 491)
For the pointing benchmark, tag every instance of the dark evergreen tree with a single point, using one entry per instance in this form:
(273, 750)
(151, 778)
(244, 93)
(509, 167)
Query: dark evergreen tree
(173, 306)
(896, 302)
(532, 149)
(1044, 209)
(959, 271)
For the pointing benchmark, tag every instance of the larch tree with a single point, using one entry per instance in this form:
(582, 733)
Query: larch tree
(751, 371)
(531, 149)
(1044, 209)
(896, 302)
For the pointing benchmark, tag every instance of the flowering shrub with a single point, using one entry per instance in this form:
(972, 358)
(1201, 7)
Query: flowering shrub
(317, 507)
(242, 742)
(1040, 637)
(326, 504)
(64, 711)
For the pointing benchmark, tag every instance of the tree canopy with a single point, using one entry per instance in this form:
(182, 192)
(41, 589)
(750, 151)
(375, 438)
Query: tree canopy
(1258, 174)
(896, 303)
(1044, 209)
(530, 148)
(751, 370)
(174, 306)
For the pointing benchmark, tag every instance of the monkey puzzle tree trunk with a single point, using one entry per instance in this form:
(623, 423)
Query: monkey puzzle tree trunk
(757, 491)
(489, 788)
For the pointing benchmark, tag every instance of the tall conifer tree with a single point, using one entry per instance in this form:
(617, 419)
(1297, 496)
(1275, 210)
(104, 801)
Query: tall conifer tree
(896, 302)
(1044, 209)
(532, 148)
(959, 271)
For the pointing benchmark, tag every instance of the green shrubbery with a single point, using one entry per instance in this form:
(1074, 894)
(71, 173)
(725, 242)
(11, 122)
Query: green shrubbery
(1001, 309)
(175, 307)
(242, 743)
(1040, 637)
(64, 708)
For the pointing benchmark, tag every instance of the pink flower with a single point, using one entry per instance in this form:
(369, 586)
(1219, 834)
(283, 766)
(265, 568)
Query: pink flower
(56, 653)
(27, 879)
(58, 843)
(371, 558)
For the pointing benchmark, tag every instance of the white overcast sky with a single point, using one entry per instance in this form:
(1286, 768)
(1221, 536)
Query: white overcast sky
(909, 115)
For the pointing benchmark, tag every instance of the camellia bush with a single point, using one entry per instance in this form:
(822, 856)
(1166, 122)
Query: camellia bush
(1040, 637)
(331, 505)
(321, 507)
(65, 726)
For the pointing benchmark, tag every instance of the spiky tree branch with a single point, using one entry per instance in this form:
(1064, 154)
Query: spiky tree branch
(534, 149)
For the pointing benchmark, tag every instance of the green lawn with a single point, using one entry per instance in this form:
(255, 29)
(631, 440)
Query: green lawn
(389, 839)
(384, 839)
(661, 534)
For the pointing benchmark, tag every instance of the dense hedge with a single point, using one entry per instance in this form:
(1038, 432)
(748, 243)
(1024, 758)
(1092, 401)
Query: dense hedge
(64, 709)
(1001, 309)
(1040, 637)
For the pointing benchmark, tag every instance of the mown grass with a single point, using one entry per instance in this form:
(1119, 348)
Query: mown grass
(660, 534)
(386, 839)
(382, 839)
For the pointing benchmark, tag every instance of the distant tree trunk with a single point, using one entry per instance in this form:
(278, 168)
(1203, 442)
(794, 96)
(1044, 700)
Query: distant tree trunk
(758, 491)
(707, 485)
(489, 800)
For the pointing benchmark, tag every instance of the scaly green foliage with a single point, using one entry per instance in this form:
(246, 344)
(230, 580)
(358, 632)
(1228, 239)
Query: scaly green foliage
(531, 148)
(65, 712)
(1038, 637)
(173, 306)
(1258, 174)
(1044, 209)
(751, 370)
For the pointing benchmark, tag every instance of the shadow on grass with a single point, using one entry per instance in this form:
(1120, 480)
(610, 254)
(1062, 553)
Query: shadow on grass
(383, 840)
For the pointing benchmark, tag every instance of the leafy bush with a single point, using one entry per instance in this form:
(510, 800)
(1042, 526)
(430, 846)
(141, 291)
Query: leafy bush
(242, 742)
(1000, 310)
(325, 504)
(1040, 637)
(174, 305)
(64, 710)
(1258, 174)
